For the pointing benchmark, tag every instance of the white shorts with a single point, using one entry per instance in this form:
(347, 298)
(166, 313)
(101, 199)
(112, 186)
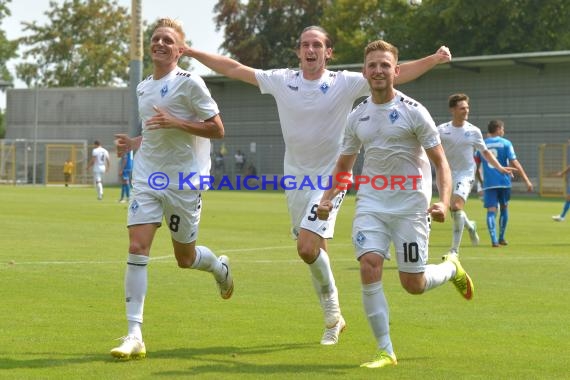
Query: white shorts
(98, 174)
(409, 233)
(303, 206)
(462, 184)
(180, 210)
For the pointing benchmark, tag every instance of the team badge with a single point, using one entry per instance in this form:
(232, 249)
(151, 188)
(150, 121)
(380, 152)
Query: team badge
(360, 238)
(394, 115)
(324, 87)
(134, 207)
(164, 90)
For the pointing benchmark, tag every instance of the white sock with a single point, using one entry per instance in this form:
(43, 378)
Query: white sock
(135, 329)
(377, 312)
(135, 292)
(207, 261)
(438, 274)
(99, 189)
(468, 224)
(459, 218)
(321, 274)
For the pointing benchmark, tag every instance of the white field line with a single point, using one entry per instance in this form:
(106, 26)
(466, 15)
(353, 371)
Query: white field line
(295, 259)
(171, 257)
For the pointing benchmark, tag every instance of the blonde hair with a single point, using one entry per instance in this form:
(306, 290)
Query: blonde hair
(168, 22)
(381, 45)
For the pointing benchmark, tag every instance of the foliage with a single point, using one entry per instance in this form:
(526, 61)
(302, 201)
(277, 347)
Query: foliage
(86, 44)
(264, 33)
(7, 48)
(378, 19)
(469, 29)
(2, 126)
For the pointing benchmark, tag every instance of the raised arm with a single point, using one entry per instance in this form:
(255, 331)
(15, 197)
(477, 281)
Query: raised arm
(223, 65)
(414, 69)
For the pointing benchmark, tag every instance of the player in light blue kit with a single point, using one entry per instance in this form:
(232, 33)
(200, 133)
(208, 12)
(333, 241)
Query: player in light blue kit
(497, 185)
(566, 207)
(460, 140)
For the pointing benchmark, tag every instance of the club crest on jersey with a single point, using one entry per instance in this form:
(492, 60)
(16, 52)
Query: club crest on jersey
(164, 90)
(360, 238)
(134, 207)
(394, 115)
(324, 87)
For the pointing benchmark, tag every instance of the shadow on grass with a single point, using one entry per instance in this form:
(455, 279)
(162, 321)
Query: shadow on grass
(222, 360)
(243, 360)
(47, 360)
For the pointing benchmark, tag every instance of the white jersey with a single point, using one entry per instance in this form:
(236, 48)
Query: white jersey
(172, 151)
(460, 144)
(101, 157)
(394, 136)
(312, 115)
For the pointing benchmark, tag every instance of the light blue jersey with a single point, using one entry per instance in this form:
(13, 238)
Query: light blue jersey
(504, 152)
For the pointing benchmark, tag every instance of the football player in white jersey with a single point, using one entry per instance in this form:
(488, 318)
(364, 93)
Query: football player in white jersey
(460, 140)
(179, 118)
(313, 103)
(393, 200)
(100, 164)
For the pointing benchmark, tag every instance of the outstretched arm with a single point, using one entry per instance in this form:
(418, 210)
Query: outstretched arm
(414, 69)
(223, 65)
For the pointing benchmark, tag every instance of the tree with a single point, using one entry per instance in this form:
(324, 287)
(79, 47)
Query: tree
(86, 44)
(469, 28)
(8, 48)
(264, 33)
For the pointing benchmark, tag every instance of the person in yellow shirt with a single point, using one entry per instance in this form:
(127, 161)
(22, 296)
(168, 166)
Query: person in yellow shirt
(67, 171)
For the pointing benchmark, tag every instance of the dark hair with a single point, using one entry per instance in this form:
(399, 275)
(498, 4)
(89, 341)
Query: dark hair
(494, 125)
(96, 142)
(456, 98)
(328, 40)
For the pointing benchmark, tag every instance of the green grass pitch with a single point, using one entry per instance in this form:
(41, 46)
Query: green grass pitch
(62, 261)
